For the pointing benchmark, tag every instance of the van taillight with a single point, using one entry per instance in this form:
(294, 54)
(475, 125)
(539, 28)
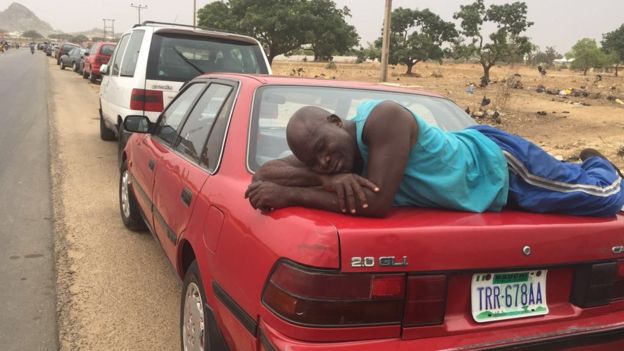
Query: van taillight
(324, 298)
(146, 100)
(425, 301)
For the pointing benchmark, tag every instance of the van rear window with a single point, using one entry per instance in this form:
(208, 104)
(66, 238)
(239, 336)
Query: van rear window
(181, 58)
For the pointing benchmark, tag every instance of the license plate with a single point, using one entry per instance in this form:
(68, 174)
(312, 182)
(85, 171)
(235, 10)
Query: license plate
(508, 295)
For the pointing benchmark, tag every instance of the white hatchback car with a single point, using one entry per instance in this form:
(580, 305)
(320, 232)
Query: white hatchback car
(152, 61)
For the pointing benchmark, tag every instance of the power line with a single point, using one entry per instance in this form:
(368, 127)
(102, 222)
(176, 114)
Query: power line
(139, 7)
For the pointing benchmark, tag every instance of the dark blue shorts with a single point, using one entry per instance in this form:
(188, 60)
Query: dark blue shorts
(540, 183)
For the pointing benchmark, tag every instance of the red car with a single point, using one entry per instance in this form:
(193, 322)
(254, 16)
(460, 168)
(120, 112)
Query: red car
(99, 55)
(303, 279)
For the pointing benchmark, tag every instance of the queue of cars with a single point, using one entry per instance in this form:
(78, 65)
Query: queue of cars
(205, 114)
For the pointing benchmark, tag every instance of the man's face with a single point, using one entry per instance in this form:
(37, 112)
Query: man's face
(324, 146)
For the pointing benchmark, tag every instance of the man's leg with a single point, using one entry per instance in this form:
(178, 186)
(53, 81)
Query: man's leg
(540, 183)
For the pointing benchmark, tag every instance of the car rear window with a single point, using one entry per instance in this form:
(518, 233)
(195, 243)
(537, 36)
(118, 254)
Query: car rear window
(175, 57)
(274, 105)
(107, 50)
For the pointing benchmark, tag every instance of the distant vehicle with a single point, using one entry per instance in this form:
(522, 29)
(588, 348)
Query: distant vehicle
(153, 60)
(72, 58)
(49, 50)
(99, 55)
(303, 279)
(64, 49)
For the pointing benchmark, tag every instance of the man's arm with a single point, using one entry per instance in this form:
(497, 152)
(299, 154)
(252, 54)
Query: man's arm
(287, 171)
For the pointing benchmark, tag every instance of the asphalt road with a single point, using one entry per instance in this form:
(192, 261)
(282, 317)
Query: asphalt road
(27, 273)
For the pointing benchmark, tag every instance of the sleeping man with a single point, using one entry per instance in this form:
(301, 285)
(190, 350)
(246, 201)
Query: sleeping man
(387, 156)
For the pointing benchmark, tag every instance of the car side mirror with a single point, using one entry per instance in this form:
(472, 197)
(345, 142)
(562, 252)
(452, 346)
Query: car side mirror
(104, 69)
(138, 124)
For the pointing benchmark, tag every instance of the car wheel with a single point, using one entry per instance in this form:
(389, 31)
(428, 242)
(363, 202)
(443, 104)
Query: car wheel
(128, 207)
(75, 67)
(92, 78)
(194, 317)
(105, 133)
(62, 65)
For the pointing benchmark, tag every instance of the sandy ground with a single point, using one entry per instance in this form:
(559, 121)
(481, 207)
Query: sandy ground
(568, 126)
(116, 290)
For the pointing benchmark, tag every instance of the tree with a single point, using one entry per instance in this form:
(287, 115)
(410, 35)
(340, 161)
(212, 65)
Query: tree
(328, 32)
(283, 25)
(369, 53)
(613, 43)
(504, 43)
(586, 54)
(80, 38)
(417, 36)
(32, 34)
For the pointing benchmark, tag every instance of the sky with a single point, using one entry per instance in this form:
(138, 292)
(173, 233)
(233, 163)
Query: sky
(558, 23)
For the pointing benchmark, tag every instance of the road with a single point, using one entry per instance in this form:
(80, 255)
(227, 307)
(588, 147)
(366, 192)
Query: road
(116, 289)
(27, 292)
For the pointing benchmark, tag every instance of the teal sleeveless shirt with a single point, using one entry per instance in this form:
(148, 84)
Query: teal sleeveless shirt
(463, 170)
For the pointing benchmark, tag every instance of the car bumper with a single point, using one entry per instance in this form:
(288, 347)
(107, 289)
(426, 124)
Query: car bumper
(604, 333)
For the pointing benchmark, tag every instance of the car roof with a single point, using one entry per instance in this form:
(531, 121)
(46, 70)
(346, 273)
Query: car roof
(263, 79)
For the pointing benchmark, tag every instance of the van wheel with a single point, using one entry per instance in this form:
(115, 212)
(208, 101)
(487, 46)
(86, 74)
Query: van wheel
(194, 317)
(105, 133)
(62, 65)
(128, 207)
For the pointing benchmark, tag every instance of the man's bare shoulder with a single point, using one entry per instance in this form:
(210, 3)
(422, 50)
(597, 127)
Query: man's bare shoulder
(389, 119)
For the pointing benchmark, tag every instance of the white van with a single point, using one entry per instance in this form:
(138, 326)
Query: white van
(153, 60)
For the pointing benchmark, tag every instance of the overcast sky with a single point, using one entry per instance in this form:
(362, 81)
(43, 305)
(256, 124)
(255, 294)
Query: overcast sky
(558, 23)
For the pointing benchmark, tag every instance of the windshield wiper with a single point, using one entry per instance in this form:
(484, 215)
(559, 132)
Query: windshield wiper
(187, 61)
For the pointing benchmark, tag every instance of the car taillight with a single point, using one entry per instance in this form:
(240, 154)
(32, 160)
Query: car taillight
(425, 301)
(618, 285)
(324, 298)
(594, 284)
(146, 100)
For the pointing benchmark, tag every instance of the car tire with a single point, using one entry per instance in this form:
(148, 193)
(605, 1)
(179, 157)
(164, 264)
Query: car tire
(92, 78)
(128, 206)
(194, 316)
(105, 133)
(62, 65)
(75, 67)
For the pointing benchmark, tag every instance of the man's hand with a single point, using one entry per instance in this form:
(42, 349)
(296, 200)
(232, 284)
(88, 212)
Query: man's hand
(267, 196)
(347, 187)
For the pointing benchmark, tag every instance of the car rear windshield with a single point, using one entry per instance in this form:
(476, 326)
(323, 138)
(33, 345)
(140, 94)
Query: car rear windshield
(175, 57)
(107, 50)
(274, 105)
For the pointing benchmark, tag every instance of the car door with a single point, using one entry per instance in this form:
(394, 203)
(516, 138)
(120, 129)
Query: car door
(109, 87)
(147, 149)
(180, 174)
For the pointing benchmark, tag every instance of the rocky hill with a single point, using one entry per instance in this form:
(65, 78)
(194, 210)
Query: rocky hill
(18, 18)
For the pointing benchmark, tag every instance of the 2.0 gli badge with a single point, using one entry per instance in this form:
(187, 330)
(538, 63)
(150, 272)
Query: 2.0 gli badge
(382, 261)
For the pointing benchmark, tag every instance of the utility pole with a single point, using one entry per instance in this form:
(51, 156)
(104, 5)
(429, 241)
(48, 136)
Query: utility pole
(194, 13)
(385, 47)
(139, 7)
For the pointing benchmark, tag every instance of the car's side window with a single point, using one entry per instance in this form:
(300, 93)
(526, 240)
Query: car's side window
(212, 151)
(202, 120)
(172, 117)
(132, 53)
(119, 54)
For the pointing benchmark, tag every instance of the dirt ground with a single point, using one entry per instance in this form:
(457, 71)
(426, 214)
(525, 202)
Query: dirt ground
(565, 125)
(115, 288)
